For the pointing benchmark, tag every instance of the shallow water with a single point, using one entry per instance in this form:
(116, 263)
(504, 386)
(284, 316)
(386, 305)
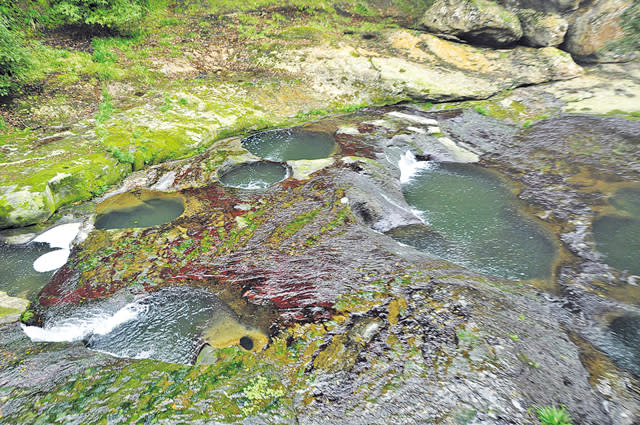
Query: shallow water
(621, 342)
(290, 144)
(474, 221)
(145, 213)
(169, 325)
(17, 275)
(618, 235)
(255, 175)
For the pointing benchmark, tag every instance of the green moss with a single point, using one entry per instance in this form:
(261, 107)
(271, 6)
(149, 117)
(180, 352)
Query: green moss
(5, 210)
(149, 392)
(294, 226)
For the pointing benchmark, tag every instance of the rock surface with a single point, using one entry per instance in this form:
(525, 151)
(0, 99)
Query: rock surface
(477, 21)
(366, 320)
(11, 308)
(594, 29)
(396, 66)
(554, 6)
(542, 29)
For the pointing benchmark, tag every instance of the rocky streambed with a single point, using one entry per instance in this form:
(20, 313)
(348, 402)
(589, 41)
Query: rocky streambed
(301, 302)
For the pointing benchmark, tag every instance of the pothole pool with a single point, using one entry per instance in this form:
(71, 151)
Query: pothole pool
(17, 275)
(26, 268)
(138, 209)
(170, 325)
(254, 175)
(473, 219)
(617, 234)
(290, 144)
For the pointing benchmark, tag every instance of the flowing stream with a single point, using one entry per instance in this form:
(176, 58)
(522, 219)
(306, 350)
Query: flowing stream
(169, 325)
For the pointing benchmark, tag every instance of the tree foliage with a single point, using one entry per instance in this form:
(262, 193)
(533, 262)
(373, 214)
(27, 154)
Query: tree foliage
(13, 57)
(121, 16)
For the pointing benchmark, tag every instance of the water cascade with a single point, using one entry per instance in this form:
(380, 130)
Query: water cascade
(169, 325)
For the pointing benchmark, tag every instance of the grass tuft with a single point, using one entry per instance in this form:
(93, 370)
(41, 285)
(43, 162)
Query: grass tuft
(551, 415)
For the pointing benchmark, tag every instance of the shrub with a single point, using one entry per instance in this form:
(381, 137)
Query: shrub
(121, 16)
(13, 58)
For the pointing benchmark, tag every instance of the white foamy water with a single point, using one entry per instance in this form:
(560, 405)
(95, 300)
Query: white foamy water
(78, 328)
(51, 260)
(60, 236)
(410, 166)
(57, 237)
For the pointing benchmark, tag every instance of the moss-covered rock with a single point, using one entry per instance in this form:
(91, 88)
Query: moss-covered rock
(11, 308)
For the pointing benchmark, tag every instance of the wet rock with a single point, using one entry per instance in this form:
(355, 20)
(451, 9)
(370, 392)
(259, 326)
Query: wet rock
(364, 329)
(595, 28)
(11, 308)
(479, 22)
(542, 29)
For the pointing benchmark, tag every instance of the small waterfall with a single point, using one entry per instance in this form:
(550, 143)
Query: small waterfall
(410, 166)
(79, 328)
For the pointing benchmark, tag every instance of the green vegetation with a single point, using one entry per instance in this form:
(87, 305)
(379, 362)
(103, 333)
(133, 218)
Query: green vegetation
(120, 16)
(631, 24)
(13, 58)
(26, 315)
(551, 415)
(481, 110)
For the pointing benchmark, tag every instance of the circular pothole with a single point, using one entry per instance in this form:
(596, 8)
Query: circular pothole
(290, 144)
(254, 175)
(138, 209)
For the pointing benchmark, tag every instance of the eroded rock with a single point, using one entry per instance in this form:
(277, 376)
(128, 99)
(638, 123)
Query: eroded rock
(478, 21)
(595, 28)
(540, 29)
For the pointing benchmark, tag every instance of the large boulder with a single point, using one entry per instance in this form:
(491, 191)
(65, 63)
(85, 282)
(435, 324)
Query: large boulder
(597, 32)
(556, 6)
(542, 29)
(477, 21)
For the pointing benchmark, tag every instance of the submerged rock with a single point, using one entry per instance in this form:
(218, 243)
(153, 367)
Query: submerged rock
(477, 21)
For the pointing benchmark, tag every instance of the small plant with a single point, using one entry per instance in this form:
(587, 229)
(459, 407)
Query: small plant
(26, 315)
(105, 109)
(551, 415)
(481, 110)
(527, 123)
(167, 104)
(124, 157)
